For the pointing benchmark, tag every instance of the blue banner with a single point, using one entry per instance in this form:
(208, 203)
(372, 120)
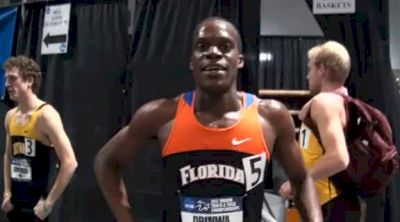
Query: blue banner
(8, 17)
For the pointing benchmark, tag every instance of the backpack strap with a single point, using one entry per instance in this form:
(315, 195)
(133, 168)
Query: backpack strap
(309, 122)
(346, 102)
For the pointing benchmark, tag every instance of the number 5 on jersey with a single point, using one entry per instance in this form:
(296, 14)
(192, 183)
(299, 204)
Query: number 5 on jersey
(254, 168)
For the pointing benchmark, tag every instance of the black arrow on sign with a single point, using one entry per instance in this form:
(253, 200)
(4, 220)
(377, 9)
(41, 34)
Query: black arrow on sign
(51, 39)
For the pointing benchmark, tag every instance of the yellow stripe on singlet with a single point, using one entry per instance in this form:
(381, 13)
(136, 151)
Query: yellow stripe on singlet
(26, 129)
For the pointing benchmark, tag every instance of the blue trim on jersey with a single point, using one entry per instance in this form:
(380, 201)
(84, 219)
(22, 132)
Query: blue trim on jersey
(249, 99)
(188, 97)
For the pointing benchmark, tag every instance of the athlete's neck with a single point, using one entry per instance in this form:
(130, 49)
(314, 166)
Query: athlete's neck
(337, 88)
(29, 103)
(218, 104)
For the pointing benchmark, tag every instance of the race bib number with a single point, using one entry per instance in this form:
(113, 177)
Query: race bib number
(254, 168)
(224, 209)
(30, 147)
(21, 170)
(27, 147)
(304, 137)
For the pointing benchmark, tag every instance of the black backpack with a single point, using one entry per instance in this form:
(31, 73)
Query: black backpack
(373, 156)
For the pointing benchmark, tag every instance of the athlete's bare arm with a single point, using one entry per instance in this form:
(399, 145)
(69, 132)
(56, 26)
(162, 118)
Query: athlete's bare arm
(144, 125)
(327, 111)
(50, 125)
(286, 150)
(6, 205)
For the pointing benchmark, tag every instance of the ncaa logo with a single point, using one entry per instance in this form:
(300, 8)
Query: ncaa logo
(202, 206)
(63, 47)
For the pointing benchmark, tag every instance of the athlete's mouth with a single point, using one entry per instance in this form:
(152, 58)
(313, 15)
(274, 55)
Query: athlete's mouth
(213, 68)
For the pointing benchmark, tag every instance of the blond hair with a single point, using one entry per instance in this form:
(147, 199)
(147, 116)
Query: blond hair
(335, 57)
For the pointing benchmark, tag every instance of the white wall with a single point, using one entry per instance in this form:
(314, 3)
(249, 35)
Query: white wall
(394, 17)
(132, 10)
(287, 18)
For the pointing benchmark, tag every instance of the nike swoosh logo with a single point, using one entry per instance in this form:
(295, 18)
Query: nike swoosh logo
(236, 142)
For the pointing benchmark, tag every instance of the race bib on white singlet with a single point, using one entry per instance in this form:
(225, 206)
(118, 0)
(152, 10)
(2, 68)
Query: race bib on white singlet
(21, 170)
(222, 209)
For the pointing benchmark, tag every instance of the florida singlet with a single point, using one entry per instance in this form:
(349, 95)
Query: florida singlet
(214, 174)
(30, 161)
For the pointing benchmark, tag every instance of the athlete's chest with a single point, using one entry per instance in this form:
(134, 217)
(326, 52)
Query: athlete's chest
(218, 121)
(30, 127)
(203, 123)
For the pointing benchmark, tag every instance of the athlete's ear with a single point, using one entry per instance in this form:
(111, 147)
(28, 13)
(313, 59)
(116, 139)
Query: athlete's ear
(240, 61)
(29, 79)
(321, 69)
(191, 65)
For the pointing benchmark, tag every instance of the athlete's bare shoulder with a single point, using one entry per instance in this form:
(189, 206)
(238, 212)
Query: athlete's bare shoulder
(270, 108)
(160, 108)
(329, 104)
(277, 115)
(277, 123)
(156, 113)
(8, 116)
(322, 103)
(10, 112)
(328, 100)
(49, 118)
(49, 111)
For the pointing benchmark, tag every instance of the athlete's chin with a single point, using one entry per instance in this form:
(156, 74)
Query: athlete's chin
(13, 97)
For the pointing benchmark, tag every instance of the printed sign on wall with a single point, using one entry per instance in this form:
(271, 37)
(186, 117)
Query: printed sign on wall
(55, 29)
(334, 6)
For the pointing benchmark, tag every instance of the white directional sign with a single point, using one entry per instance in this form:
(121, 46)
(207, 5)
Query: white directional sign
(334, 6)
(55, 29)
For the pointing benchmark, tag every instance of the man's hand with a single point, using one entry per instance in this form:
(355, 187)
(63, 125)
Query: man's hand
(42, 209)
(7, 206)
(286, 191)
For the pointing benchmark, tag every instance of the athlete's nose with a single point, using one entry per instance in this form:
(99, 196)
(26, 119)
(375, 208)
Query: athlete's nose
(213, 52)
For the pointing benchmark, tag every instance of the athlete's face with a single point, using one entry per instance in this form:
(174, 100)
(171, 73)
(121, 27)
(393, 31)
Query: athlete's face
(216, 57)
(16, 85)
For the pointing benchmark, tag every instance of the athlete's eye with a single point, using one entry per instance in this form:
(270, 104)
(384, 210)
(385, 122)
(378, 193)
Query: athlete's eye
(201, 47)
(225, 47)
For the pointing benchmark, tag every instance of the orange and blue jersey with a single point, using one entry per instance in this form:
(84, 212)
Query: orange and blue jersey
(214, 174)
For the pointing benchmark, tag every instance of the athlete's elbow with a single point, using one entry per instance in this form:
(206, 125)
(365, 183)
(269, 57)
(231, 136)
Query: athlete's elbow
(99, 161)
(70, 165)
(343, 162)
(102, 161)
(73, 165)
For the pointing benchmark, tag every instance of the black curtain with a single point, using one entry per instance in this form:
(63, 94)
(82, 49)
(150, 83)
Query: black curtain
(366, 36)
(85, 86)
(159, 67)
(284, 65)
